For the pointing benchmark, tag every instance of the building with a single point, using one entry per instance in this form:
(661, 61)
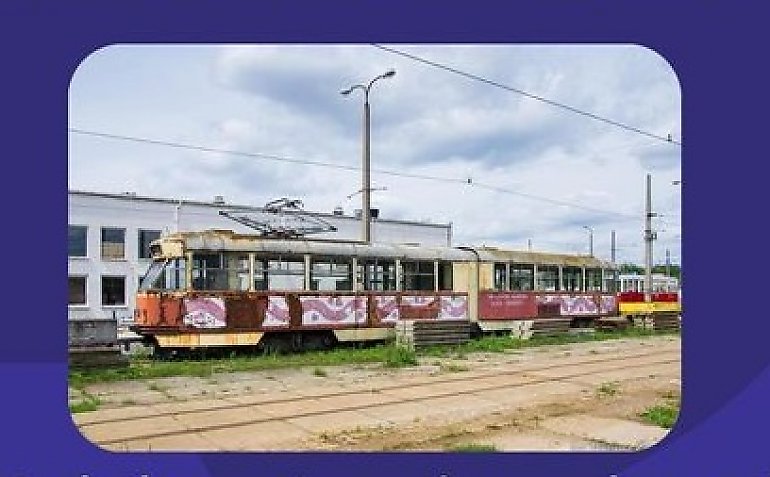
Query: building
(109, 237)
(636, 283)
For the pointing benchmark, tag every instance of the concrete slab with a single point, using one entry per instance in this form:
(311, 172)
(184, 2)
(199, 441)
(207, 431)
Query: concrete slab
(633, 435)
(219, 417)
(401, 413)
(337, 421)
(263, 436)
(191, 442)
(132, 429)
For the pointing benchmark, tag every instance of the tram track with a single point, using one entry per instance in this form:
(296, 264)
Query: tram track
(663, 358)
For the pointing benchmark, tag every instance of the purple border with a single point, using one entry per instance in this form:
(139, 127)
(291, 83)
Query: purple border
(714, 48)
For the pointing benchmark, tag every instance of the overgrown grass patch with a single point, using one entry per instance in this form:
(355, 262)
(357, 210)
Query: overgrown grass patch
(388, 355)
(663, 415)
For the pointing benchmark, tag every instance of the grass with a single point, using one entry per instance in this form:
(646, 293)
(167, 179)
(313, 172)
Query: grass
(472, 448)
(662, 415)
(608, 389)
(388, 355)
(321, 373)
(88, 404)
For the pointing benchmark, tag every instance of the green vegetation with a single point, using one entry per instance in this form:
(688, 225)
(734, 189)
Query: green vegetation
(388, 355)
(663, 415)
(88, 404)
(472, 448)
(321, 373)
(399, 357)
(608, 389)
(454, 368)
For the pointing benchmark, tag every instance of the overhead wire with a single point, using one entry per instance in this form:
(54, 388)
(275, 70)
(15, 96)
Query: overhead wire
(272, 157)
(551, 102)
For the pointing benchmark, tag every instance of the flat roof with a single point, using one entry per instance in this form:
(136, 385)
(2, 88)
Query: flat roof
(212, 204)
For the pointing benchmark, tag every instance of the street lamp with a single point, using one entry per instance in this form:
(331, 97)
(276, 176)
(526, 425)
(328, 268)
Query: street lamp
(366, 159)
(590, 240)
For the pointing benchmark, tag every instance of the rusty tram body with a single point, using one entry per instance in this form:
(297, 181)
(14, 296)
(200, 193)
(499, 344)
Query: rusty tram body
(217, 288)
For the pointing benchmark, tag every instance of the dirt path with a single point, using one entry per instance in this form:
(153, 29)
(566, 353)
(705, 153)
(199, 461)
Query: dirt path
(566, 397)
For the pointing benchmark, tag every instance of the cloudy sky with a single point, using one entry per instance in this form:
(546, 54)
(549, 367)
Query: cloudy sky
(538, 172)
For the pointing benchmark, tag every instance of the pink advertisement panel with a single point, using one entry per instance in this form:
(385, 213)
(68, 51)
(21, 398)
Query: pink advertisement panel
(609, 305)
(337, 310)
(453, 308)
(572, 305)
(277, 313)
(386, 308)
(204, 312)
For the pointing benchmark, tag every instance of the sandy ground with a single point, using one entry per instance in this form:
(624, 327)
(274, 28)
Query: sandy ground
(581, 396)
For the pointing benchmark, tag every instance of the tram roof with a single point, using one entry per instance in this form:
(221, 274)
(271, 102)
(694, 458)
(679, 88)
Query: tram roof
(229, 241)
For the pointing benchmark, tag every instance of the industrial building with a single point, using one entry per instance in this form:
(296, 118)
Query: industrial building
(109, 237)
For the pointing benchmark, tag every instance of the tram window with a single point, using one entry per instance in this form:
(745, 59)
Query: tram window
(380, 274)
(572, 278)
(165, 275)
(611, 282)
(522, 277)
(594, 279)
(286, 273)
(445, 275)
(500, 277)
(418, 276)
(218, 271)
(331, 275)
(548, 278)
(260, 274)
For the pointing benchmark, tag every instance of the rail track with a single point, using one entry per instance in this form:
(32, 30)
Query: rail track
(105, 429)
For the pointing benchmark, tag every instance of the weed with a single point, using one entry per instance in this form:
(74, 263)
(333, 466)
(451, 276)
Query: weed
(662, 415)
(454, 368)
(399, 357)
(321, 373)
(128, 402)
(472, 448)
(88, 404)
(608, 389)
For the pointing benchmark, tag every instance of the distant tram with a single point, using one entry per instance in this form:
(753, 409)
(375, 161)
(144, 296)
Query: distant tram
(217, 288)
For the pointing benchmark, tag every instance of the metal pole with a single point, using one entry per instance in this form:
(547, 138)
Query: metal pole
(366, 189)
(612, 247)
(648, 238)
(591, 242)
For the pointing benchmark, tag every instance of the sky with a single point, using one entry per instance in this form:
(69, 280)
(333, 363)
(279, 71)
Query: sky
(456, 135)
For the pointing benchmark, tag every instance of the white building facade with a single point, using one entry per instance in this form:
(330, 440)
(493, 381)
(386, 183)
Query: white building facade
(109, 236)
(637, 283)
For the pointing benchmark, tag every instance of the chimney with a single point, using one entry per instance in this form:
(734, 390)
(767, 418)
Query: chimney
(338, 211)
(219, 200)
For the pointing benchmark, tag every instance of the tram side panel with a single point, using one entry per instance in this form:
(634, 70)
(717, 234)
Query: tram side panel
(241, 318)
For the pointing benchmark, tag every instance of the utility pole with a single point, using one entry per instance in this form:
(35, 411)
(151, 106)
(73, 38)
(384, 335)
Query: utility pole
(529, 245)
(668, 262)
(612, 247)
(366, 155)
(649, 236)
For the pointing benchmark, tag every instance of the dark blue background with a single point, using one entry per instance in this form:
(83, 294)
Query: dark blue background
(715, 48)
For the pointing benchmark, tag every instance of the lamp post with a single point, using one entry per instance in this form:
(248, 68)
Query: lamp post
(590, 240)
(366, 158)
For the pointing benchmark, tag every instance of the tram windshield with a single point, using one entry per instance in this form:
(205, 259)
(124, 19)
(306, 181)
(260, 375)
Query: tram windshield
(165, 275)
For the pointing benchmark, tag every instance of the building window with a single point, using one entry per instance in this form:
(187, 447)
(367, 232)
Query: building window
(77, 291)
(77, 240)
(145, 237)
(113, 291)
(113, 243)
